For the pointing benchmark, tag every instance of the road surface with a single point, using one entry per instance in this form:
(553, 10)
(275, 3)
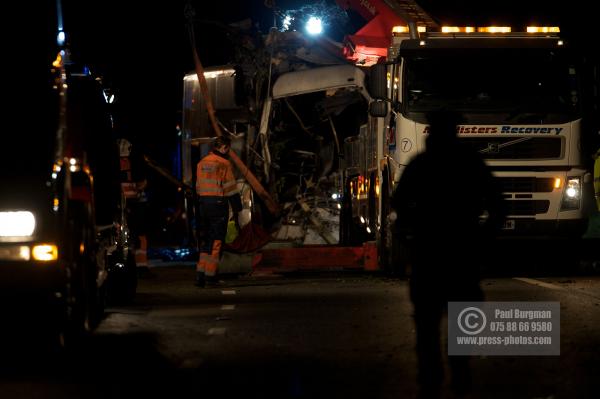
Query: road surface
(344, 335)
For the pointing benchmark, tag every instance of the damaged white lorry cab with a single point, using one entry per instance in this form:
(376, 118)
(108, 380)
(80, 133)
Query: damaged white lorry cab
(298, 149)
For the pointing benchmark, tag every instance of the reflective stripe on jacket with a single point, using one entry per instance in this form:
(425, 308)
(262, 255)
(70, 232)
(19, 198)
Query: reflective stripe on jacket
(214, 177)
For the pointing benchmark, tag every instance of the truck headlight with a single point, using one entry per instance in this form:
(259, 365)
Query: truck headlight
(16, 224)
(572, 194)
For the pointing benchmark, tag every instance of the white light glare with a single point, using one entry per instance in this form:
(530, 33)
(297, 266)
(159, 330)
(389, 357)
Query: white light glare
(287, 21)
(314, 26)
(573, 188)
(335, 196)
(24, 253)
(108, 97)
(60, 38)
(16, 224)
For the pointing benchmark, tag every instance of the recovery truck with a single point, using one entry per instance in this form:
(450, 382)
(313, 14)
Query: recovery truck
(527, 102)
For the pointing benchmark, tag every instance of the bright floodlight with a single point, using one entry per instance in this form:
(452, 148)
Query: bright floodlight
(314, 26)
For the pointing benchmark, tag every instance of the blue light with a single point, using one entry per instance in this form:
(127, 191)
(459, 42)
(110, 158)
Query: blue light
(60, 38)
(314, 26)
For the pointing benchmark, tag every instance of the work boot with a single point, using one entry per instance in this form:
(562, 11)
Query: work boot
(200, 281)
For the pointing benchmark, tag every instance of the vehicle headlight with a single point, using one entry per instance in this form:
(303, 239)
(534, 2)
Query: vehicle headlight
(572, 194)
(16, 224)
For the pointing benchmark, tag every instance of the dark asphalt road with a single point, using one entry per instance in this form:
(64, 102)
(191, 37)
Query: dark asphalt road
(334, 336)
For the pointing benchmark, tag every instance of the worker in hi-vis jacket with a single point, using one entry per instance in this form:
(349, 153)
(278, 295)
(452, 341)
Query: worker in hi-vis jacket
(216, 188)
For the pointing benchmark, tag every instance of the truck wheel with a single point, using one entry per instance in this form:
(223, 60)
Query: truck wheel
(84, 301)
(78, 319)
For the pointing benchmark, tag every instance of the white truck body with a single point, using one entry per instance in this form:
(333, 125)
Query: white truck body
(520, 97)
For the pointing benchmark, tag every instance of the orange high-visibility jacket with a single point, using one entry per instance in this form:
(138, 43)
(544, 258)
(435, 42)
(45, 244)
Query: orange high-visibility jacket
(215, 178)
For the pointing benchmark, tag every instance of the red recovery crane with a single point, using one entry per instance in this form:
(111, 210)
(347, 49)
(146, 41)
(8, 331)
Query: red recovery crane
(372, 41)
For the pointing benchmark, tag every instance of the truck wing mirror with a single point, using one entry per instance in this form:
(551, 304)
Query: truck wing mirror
(378, 108)
(378, 82)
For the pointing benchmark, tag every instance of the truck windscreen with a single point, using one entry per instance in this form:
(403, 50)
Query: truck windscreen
(515, 82)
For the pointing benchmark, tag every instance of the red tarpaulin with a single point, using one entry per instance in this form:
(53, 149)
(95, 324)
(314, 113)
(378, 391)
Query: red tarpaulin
(372, 41)
(250, 238)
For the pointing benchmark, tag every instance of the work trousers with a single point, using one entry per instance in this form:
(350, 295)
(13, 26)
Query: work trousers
(213, 215)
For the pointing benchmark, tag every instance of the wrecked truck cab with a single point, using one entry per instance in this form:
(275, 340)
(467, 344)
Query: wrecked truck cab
(295, 147)
(306, 122)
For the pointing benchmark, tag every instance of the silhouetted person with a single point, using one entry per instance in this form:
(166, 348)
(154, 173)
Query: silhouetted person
(440, 199)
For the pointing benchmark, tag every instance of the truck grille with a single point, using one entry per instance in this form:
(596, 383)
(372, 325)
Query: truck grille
(516, 147)
(527, 207)
(526, 184)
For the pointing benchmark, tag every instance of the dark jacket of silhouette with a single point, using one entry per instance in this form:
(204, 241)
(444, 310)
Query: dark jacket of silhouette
(441, 197)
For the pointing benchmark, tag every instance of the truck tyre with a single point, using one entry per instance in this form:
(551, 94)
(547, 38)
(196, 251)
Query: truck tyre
(84, 301)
